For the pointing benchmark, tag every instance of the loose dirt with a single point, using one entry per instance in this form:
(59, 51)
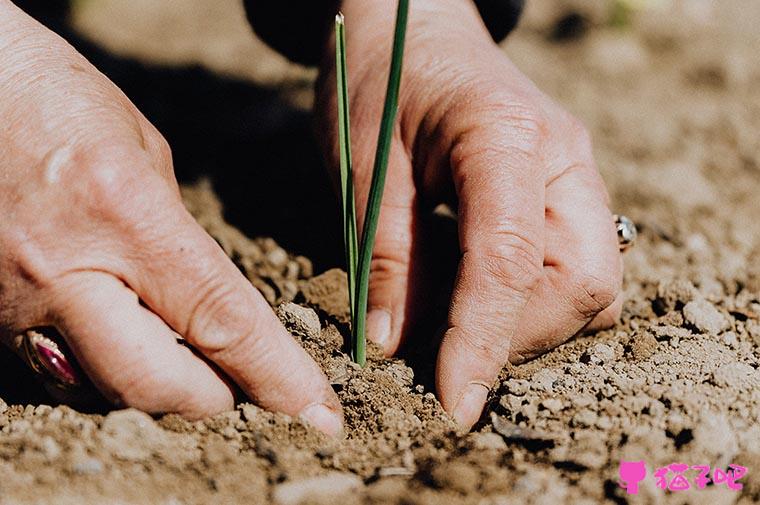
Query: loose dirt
(673, 102)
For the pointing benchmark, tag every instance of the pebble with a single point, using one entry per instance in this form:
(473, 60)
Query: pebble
(736, 375)
(715, 436)
(705, 317)
(544, 379)
(86, 465)
(585, 418)
(458, 476)
(301, 321)
(250, 411)
(131, 435)
(278, 258)
(674, 292)
(316, 489)
(488, 441)
(598, 354)
(48, 447)
(517, 387)
(553, 405)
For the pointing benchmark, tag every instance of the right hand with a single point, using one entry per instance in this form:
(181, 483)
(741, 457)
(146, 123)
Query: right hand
(95, 241)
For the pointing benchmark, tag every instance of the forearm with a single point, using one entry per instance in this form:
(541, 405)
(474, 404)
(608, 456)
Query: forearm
(300, 29)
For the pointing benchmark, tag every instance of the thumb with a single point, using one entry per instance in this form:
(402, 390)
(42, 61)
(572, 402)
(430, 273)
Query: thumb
(392, 264)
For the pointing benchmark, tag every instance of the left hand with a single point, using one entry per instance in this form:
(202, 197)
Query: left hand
(540, 258)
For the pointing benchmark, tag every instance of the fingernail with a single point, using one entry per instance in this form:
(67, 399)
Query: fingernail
(379, 327)
(321, 417)
(470, 405)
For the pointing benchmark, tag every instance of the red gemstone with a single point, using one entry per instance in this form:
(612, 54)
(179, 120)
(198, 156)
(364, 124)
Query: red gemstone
(56, 364)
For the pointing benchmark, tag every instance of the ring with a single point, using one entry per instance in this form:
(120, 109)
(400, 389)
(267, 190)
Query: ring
(46, 357)
(626, 232)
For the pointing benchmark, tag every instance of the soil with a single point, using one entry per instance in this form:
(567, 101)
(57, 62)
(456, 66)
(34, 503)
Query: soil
(673, 102)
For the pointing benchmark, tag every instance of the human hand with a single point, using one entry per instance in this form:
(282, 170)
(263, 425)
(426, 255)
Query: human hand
(539, 254)
(95, 241)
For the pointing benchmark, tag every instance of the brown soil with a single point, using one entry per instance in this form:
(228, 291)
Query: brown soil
(672, 102)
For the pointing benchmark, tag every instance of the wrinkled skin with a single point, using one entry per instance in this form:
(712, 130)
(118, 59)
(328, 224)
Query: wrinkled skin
(95, 240)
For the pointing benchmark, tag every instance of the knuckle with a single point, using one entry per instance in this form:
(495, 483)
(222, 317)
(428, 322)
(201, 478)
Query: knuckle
(483, 349)
(581, 137)
(515, 262)
(220, 321)
(593, 290)
(388, 266)
(158, 147)
(497, 123)
(107, 186)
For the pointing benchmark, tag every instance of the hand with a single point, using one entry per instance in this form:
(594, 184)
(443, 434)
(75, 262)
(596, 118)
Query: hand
(95, 241)
(539, 254)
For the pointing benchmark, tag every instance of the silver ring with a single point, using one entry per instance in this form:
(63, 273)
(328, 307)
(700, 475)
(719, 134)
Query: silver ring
(626, 232)
(46, 357)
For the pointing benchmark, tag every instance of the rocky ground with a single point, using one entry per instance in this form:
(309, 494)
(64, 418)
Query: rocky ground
(672, 98)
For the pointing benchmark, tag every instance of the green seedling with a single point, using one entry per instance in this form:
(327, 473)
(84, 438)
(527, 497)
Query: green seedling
(359, 254)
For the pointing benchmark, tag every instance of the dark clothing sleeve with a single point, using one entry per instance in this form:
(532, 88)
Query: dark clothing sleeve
(298, 29)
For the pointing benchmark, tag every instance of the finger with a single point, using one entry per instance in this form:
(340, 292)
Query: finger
(607, 318)
(583, 266)
(393, 269)
(499, 185)
(184, 276)
(129, 353)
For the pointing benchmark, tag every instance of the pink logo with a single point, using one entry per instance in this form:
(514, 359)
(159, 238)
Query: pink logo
(673, 476)
(631, 473)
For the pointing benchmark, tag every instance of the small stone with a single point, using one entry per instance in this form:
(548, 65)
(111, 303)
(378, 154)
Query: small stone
(715, 436)
(675, 293)
(705, 317)
(278, 258)
(517, 387)
(49, 448)
(457, 476)
(604, 423)
(306, 270)
(736, 375)
(642, 345)
(553, 405)
(291, 271)
(514, 433)
(86, 465)
(730, 339)
(583, 400)
(301, 321)
(598, 354)
(544, 379)
(316, 489)
(401, 374)
(585, 418)
(42, 410)
(488, 441)
(131, 435)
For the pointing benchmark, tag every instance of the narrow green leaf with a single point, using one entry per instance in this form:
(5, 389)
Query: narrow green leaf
(377, 186)
(350, 240)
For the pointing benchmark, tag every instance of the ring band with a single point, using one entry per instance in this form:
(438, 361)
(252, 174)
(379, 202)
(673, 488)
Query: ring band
(626, 232)
(46, 357)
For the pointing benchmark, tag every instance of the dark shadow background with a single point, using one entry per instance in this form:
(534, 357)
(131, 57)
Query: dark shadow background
(259, 152)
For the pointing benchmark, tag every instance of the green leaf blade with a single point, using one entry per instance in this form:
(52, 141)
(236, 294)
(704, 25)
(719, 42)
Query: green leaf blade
(350, 239)
(382, 156)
